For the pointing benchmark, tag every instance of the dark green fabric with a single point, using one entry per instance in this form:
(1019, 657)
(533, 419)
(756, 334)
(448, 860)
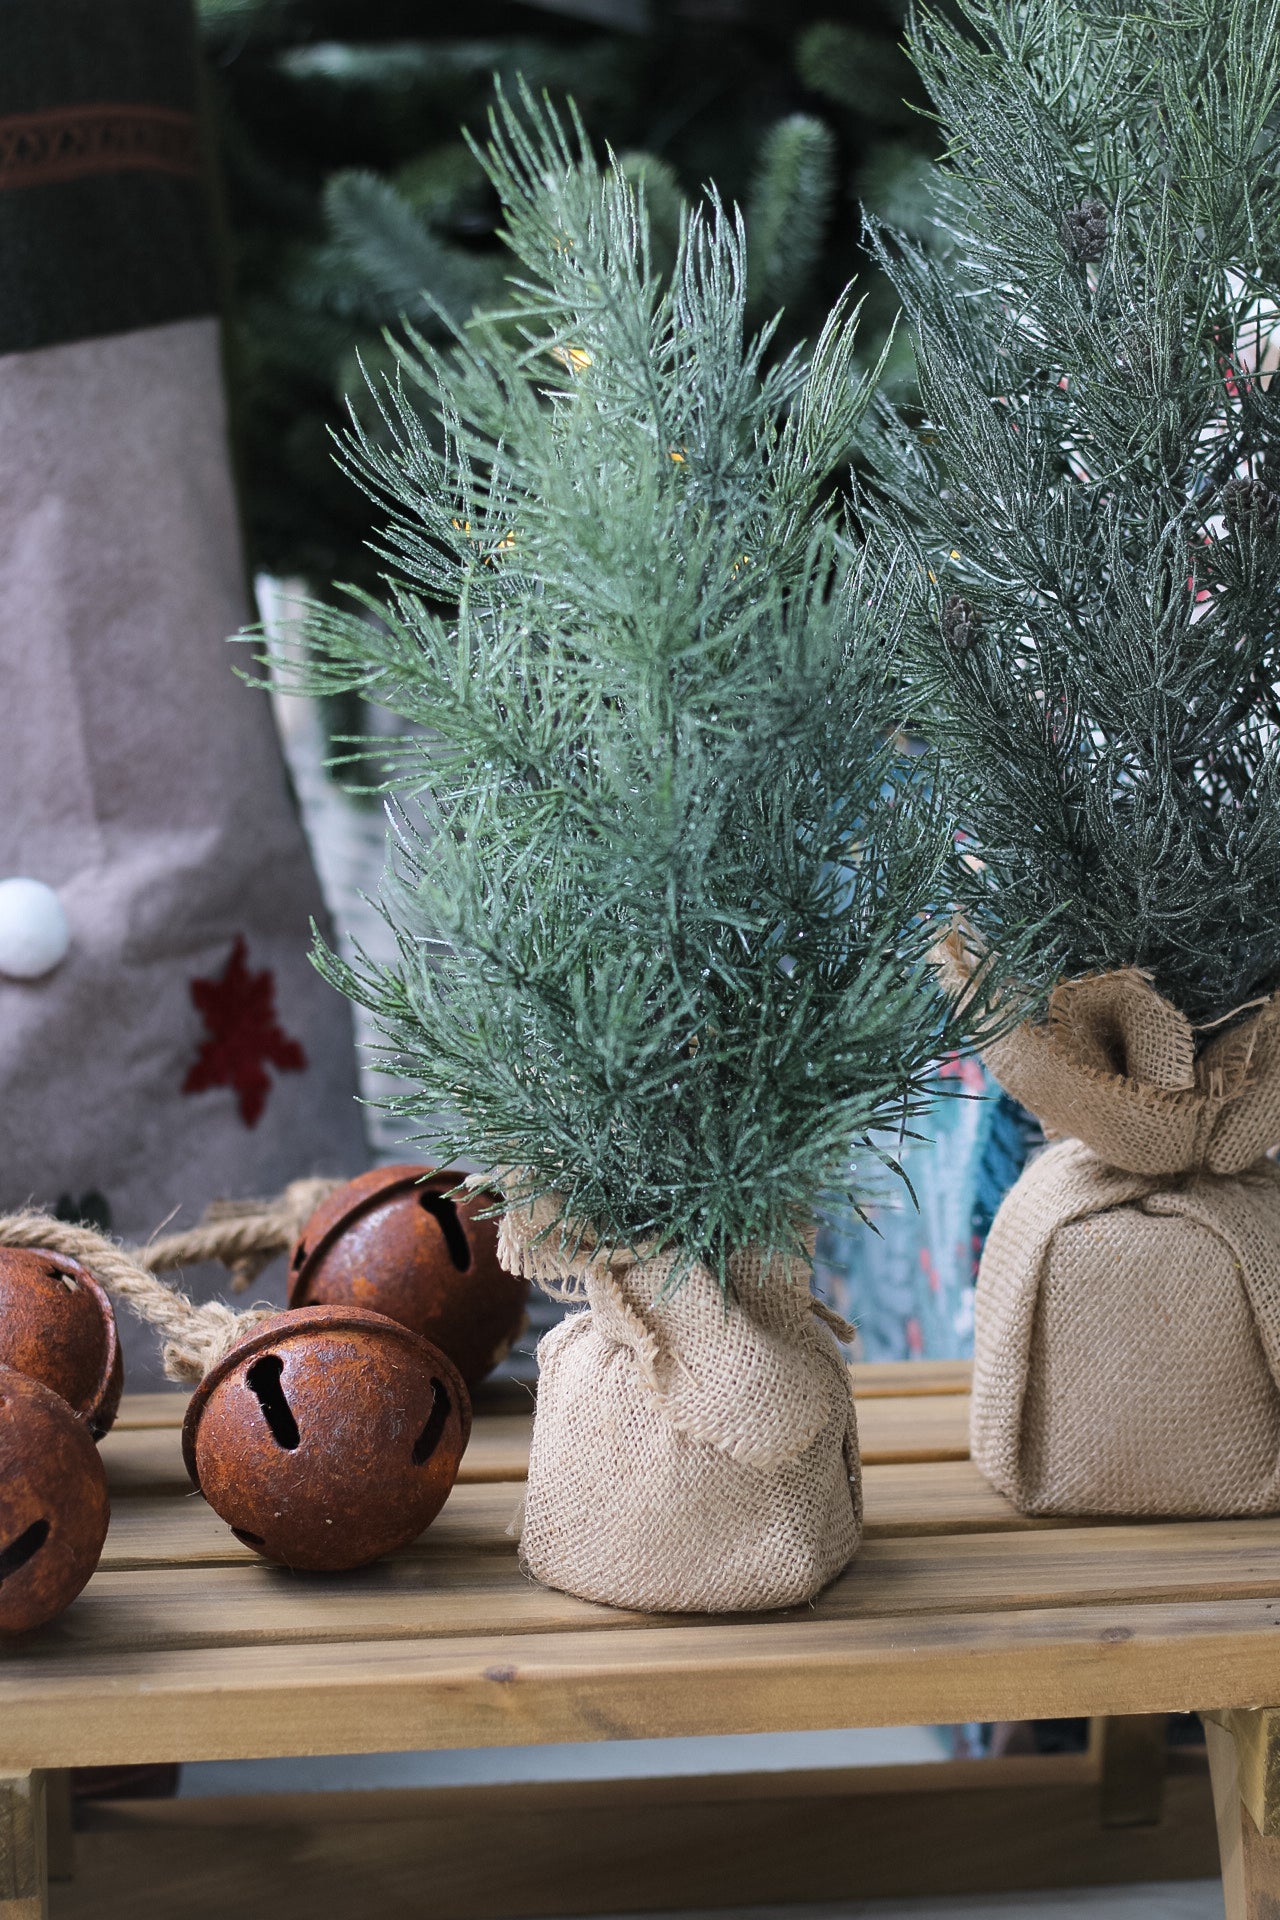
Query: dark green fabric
(119, 248)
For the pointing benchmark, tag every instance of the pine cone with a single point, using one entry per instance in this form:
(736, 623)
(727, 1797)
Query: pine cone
(1253, 500)
(961, 624)
(1084, 231)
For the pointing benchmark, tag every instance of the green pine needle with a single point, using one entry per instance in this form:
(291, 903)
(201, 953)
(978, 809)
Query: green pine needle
(1091, 490)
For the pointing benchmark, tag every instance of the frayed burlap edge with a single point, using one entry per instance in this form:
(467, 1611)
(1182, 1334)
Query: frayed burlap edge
(568, 1260)
(1115, 1065)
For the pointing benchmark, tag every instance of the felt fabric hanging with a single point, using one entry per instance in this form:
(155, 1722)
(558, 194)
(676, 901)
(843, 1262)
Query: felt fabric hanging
(181, 1047)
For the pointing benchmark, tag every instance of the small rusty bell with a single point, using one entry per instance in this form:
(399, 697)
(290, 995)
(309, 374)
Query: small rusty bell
(57, 1326)
(327, 1437)
(397, 1243)
(53, 1503)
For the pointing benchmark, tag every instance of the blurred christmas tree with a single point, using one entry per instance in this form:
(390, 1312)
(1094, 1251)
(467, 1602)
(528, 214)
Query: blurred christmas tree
(353, 203)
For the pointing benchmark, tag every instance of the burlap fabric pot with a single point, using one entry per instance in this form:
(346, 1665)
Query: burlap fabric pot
(691, 1453)
(1127, 1320)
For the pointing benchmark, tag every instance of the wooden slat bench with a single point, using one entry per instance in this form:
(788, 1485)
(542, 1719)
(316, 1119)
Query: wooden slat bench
(958, 1609)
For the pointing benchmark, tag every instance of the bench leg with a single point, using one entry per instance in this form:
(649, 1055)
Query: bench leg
(1244, 1762)
(60, 1840)
(23, 1871)
(1133, 1760)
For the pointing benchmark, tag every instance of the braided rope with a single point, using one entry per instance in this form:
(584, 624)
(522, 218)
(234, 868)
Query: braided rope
(244, 1235)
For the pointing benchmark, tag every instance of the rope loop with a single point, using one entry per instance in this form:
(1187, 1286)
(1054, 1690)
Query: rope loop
(244, 1235)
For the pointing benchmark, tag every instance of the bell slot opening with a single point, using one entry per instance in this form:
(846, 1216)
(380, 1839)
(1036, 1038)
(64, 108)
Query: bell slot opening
(444, 1212)
(15, 1556)
(264, 1380)
(429, 1439)
(248, 1539)
(299, 1254)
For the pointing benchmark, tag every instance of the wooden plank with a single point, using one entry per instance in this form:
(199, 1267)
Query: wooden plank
(1256, 1733)
(162, 1610)
(946, 1497)
(1259, 1875)
(1133, 1751)
(1250, 1859)
(23, 1859)
(142, 1459)
(148, 1460)
(931, 1427)
(468, 1581)
(168, 1407)
(134, 1704)
(1192, 1561)
(1229, 1812)
(142, 1410)
(147, 1532)
(873, 1380)
(631, 1846)
(877, 1379)
(941, 1496)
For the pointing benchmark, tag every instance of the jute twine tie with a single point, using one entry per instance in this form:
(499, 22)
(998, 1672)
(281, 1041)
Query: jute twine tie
(244, 1235)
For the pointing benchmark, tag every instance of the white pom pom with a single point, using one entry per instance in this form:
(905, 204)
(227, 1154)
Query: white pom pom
(34, 935)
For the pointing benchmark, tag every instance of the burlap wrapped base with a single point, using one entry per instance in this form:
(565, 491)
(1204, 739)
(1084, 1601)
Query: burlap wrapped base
(1127, 1320)
(690, 1453)
(1128, 1341)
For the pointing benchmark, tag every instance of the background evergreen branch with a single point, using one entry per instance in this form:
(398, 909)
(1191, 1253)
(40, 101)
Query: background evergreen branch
(317, 100)
(788, 209)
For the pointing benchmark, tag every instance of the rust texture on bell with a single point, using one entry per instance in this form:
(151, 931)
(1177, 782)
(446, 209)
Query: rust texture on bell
(328, 1437)
(53, 1503)
(58, 1327)
(396, 1243)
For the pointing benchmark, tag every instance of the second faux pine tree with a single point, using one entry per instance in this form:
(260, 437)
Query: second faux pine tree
(1090, 496)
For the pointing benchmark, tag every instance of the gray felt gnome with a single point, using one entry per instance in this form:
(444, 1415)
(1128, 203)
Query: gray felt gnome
(163, 1038)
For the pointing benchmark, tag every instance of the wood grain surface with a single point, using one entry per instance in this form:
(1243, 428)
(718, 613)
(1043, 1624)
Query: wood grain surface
(589, 1847)
(145, 1457)
(185, 1646)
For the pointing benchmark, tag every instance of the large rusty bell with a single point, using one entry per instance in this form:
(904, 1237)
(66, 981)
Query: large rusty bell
(57, 1326)
(327, 1437)
(396, 1243)
(53, 1503)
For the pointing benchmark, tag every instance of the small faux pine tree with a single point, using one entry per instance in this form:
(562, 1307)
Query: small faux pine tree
(663, 879)
(1092, 485)
(1092, 497)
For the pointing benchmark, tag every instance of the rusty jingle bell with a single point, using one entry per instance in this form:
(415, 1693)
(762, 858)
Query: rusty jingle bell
(57, 1326)
(396, 1243)
(327, 1437)
(53, 1503)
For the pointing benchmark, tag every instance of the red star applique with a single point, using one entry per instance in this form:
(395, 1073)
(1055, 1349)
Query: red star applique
(242, 1035)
